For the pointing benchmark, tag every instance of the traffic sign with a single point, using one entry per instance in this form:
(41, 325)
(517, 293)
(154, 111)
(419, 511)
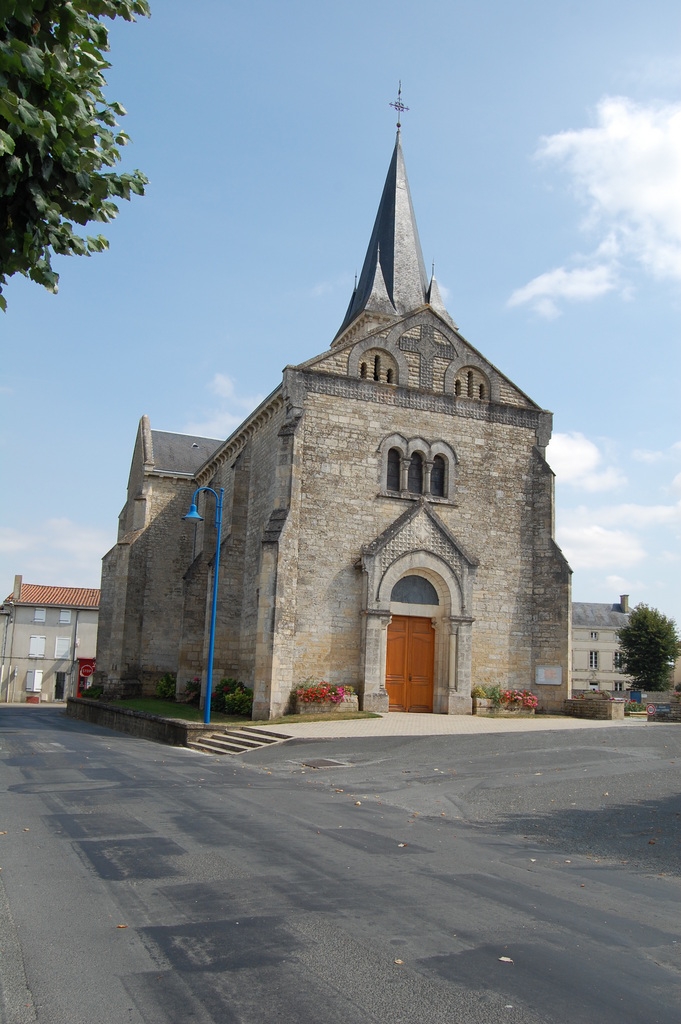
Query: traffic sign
(87, 670)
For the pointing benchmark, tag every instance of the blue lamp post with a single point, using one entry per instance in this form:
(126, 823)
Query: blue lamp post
(194, 517)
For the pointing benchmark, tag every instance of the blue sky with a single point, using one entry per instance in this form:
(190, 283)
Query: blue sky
(543, 146)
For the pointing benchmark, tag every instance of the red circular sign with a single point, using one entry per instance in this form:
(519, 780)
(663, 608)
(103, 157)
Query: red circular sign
(651, 709)
(87, 670)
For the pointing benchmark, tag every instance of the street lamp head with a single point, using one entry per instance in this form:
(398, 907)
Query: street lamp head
(193, 514)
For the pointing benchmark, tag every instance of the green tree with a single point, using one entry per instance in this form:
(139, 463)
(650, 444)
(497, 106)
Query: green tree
(58, 134)
(650, 645)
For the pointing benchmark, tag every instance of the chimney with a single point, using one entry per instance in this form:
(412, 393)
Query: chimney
(624, 602)
(16, 594)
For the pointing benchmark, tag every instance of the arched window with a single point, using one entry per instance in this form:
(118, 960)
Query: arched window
(415, 476)
(457, 387)
(469, 377)
(389, 377)
(414, 590)
(377, 368)
(437, 477)
(393, 476)
(363, 370)
(481, 391)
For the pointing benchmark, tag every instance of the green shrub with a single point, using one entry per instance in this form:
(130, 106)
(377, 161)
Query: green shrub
(231, 697)
(92, 692)
(165, 687)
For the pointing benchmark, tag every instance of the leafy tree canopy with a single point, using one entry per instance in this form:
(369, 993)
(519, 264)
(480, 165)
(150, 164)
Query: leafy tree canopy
(650, 645)
(57, 132)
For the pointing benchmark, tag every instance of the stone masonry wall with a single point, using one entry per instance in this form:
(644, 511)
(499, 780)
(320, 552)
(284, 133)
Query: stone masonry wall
(492, 516)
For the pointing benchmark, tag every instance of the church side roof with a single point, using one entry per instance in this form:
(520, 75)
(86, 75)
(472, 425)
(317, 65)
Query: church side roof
(605, 616)
(394, 253)
(60, 597)
(180, 453)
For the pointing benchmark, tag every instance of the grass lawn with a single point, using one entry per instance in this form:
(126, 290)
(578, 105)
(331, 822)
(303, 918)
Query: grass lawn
(190, 713)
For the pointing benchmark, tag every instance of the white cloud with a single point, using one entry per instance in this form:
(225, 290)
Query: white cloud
(578, 285)
(57, 552)
(220, 422)
(577, 461)
(594, 547)
(643, 455)
(676, 482)
(626, 171)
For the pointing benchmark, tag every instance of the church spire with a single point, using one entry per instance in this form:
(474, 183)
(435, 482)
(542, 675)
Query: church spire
(394, 258)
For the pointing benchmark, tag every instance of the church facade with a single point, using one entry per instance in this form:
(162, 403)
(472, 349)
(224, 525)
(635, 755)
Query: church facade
(388, 520)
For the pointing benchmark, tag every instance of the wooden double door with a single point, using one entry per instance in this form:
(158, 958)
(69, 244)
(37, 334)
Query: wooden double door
(409, 663)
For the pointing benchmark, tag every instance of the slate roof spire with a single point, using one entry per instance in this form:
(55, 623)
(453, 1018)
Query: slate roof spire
(393, 278)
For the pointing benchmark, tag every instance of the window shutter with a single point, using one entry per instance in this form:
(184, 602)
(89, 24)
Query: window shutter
(34, 680)
(36, 647)
(38, 614)
(64, 616)
(62, 647)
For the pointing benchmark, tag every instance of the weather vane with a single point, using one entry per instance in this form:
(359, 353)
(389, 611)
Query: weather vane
(399, 106)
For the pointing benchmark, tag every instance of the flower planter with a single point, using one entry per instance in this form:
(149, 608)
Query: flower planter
(327, 707)
(486, 707)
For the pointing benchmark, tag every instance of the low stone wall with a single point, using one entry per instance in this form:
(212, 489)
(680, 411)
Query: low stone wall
(347, 704)
(595, 707)
(665, 711)
(172, 731)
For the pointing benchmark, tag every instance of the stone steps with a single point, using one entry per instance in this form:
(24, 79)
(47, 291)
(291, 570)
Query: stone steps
(235, 741)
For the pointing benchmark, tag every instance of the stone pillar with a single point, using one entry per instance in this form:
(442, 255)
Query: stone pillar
(427, 469)
(375, 696)
(404, 474)
(460, 643)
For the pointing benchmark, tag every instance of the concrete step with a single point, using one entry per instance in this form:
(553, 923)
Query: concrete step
(235, 741)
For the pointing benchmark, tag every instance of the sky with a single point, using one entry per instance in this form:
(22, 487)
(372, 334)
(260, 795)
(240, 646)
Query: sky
(543, 147)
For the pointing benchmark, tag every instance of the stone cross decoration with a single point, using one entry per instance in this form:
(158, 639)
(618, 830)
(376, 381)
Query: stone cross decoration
(427, 347)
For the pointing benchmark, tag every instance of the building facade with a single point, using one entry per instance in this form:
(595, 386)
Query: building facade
(596, 657)
(388, 519)
(48, 642)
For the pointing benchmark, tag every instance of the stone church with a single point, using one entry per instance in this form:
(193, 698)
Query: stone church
(388, 520)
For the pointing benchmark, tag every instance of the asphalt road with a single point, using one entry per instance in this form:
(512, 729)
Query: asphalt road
(142, 884)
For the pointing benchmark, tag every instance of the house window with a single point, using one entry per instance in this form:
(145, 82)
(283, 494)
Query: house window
(36, 647)
(619, 685)
(593, 659)
(617, 660)
(415, 476)
(62, 647)
(38, 614)
(594, 636)
(394, 462)
(34, 680)
(437, 477)
(64, 616)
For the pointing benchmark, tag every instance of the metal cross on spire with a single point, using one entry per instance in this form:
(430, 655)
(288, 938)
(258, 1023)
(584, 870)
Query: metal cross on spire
(399, 105)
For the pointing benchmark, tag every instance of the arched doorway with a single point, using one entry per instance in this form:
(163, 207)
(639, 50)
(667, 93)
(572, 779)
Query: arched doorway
(410, 645)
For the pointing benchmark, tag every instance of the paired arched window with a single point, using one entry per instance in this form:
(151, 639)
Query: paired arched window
(378, 365)
(411, 467)
(472, 383)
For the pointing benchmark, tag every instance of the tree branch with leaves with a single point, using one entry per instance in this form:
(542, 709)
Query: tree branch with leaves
(58, 134)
